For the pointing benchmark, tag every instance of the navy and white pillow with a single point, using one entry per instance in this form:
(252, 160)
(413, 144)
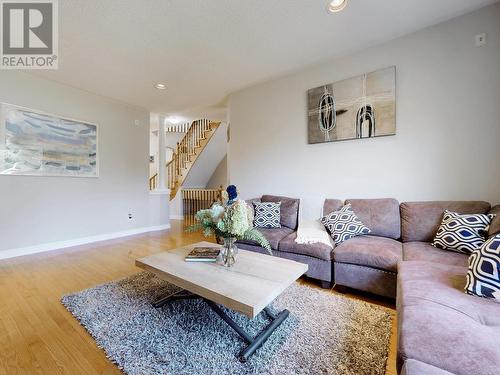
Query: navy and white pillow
(483, 276)
(344, 224)
(267, 214)
(463, 233)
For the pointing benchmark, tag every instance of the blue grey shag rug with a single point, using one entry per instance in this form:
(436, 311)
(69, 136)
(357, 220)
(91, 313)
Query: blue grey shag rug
(324, 334)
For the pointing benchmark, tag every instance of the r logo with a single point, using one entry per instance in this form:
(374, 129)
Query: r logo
(27, 28)
(29, 34)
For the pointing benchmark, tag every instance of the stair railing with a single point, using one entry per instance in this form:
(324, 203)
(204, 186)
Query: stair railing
(186, 151)
(195, 199)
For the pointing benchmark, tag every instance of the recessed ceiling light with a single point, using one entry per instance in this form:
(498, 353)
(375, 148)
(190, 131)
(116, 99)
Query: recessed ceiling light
(160, 86)
(335, 6)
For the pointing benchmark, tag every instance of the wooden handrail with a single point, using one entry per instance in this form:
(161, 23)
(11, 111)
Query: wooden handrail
(152, 181)
(195, 199)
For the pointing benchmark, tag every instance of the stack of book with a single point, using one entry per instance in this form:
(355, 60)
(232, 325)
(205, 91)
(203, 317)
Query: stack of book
(203, 254)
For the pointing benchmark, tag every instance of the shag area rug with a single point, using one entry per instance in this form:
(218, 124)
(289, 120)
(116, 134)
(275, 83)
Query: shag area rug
(324, 334)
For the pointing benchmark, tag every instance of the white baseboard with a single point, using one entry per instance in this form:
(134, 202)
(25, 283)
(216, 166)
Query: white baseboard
(176, 217)
(11, 253)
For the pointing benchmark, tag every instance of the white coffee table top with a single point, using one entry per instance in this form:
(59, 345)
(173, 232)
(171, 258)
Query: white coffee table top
(249, 286)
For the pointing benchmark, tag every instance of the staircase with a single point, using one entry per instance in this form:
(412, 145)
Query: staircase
(187, 151)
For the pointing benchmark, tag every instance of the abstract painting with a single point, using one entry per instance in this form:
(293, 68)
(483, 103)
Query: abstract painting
(359, 107)
(39, 144)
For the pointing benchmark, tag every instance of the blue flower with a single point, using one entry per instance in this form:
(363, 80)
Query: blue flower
(232, 192)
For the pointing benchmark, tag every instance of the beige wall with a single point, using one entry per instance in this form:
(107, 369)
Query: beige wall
(448, 124)
(39, 210)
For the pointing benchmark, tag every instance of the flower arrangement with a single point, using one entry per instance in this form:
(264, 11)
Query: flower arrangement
(229, 218)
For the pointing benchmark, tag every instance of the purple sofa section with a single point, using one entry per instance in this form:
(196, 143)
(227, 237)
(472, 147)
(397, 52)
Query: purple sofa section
(318, 250)
(424, 251)
(377, 252)
(369, 263)
(412, 367)
(380, 215)
(318, 268)
(442, 326)
(420, 220)
(282, 240)
(442, 330)
(365, 278)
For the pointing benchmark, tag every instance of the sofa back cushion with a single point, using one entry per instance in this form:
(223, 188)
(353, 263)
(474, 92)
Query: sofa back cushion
(495, 223)
(331, 205)
(289, 210)
(420, 220)
(380, 215)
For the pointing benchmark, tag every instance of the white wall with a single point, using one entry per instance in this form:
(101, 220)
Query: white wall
(40, 210)
(154, 119)
(448, 124)
(219, 177)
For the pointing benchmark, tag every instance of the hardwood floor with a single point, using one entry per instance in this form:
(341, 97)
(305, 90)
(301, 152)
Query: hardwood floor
(39, 336)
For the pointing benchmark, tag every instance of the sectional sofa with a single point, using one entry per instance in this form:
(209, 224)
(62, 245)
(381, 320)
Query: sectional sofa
(441, 330)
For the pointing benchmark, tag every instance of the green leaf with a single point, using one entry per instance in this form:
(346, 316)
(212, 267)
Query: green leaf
(194, 228)
(256, 236)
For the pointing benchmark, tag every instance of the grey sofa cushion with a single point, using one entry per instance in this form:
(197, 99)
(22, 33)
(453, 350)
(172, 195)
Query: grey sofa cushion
(273, 235)
(316, 250)
(380, 215)
(331, 205)
(289, 209)
(378, 252)
(412, 367)
(420, 220)
(424, 251)
(441, 325)
(368, 279)
(495, 223)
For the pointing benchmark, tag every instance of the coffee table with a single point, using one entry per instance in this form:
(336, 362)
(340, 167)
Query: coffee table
(248, 287)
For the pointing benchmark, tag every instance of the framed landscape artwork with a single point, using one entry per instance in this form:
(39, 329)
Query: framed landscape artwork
(39, 144)
(359, 107)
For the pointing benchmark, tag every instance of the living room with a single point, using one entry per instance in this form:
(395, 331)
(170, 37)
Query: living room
(323, 191)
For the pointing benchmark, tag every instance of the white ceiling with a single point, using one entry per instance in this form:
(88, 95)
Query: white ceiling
(205, 49)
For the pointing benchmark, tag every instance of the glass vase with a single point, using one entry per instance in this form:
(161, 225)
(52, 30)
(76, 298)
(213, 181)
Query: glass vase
(229, 252)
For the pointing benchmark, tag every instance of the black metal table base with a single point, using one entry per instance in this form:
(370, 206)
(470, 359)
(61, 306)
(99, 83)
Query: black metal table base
(253, 343)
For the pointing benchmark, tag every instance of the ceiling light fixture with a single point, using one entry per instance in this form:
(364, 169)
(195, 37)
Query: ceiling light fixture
(335, 6)
(173, 120)
(160, 86)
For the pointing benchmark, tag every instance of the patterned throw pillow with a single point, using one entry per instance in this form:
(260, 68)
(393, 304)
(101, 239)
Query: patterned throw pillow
(267, 214)
(344, 224)
(483, 277)
(462, 233)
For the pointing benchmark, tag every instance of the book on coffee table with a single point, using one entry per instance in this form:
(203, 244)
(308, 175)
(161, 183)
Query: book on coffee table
(203, 254)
